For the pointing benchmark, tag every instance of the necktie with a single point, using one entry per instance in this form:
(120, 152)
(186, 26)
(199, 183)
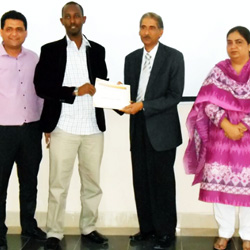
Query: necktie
(144, 78)
(147, 66)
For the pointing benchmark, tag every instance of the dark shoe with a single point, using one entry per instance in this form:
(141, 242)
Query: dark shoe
(141, 237)
(164, 241)
(52, 243)
(3, 243)
(36, 234)
(95, 237)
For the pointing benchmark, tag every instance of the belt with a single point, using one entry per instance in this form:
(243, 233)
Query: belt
(22, 125)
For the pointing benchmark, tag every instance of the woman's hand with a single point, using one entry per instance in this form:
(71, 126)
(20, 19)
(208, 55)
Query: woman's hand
(242, 127)
(233, 131)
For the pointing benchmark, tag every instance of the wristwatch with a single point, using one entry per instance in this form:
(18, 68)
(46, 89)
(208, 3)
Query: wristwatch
(76, 91)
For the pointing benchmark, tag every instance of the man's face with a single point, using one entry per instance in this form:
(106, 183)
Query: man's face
(13, 34)
(149, 32)
(72, 19)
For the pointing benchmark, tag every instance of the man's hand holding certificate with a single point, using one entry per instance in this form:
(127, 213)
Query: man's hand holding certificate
(133, 108)
(111, 96)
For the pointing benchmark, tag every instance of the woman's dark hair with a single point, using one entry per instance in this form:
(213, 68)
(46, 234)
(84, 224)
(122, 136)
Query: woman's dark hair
(243, 32)
(12, 14)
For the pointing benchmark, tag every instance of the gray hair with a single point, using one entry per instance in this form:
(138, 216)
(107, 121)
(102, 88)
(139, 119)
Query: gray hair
(154, 16)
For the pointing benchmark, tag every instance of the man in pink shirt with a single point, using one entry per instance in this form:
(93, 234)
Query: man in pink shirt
(20, 133)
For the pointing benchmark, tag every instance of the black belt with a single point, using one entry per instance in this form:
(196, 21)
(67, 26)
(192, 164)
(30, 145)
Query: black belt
(22, 125)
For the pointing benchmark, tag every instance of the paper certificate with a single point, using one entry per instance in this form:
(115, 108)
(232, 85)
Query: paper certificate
(111, 96)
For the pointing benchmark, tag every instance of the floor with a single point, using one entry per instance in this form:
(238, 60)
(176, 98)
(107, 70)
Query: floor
(201, 239)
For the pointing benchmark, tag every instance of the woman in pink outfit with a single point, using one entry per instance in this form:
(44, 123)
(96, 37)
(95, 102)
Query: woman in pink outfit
(218, 152)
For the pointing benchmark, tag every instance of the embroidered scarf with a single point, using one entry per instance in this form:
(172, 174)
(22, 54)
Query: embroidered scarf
(224, 88)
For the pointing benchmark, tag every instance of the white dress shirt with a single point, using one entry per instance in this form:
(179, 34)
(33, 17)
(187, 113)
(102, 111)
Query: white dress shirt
(143, 85)
(78, 118)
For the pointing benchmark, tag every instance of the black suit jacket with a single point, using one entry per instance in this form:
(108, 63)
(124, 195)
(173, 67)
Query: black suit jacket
(163, 93)
(49, 75)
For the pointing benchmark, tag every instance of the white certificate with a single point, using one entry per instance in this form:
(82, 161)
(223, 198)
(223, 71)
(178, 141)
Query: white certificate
(111, 96)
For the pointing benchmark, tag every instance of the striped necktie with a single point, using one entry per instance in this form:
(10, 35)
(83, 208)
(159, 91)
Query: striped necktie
(144, 78)
(147, 66)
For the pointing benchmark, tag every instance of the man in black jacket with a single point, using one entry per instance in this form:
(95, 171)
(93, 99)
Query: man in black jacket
(65, 78)
(156, 76)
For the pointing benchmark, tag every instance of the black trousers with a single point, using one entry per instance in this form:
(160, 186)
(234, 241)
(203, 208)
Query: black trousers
(154, 183)
(20, 145)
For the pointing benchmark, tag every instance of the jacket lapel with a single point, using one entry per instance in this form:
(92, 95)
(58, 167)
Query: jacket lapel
(137, 68)
(158, 62)
(88, 51)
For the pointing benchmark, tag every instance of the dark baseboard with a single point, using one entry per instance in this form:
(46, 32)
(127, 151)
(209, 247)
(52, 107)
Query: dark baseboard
(188, 98)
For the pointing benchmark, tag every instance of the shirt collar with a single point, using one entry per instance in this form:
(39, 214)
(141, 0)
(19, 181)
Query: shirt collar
(151, 52)
(85, 42)
(2, 50)
(4, 53)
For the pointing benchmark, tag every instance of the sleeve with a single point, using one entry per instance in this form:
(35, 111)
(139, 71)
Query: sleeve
(246, 121)
(48, 78)
(215, 114)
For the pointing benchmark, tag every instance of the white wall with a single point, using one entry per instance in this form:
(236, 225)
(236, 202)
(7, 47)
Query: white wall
(195, 27)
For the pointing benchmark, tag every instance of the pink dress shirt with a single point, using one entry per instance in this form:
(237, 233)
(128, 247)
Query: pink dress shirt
(18, 100)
